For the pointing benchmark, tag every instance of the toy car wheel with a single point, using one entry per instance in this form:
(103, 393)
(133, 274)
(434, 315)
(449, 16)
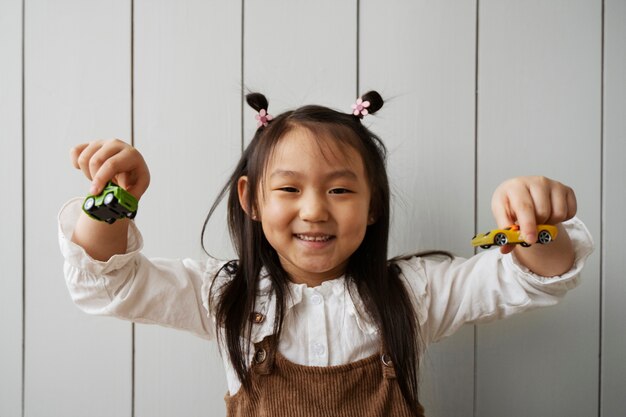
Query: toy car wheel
(109, 198)
(131, 215)
(525, 245)
(500, 239)
(110, 221)
(544, 237)
(485, 246)
(89, 203)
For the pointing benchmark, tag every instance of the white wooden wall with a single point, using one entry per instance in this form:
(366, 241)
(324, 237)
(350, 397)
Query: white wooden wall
(477, 92)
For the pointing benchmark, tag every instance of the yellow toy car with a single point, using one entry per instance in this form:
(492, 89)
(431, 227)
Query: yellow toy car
(546, 233)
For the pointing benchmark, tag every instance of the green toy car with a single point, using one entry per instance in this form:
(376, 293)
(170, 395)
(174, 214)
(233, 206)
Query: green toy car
(111, 204)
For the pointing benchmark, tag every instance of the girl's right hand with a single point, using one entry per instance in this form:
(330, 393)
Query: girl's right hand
(105, 160)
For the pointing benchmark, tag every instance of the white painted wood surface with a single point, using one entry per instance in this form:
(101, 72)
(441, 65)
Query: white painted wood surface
(613, 400)
(292, 56)
(539, 99)
(427, 124)
(77, 88)
(11, 278)
(188, 127)
(539, 95)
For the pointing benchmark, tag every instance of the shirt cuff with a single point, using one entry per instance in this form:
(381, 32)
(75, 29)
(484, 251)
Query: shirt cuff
(77, 257)
(583, 247)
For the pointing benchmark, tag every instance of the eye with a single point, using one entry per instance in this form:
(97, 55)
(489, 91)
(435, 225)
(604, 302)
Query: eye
(288, 189)
(340, 191)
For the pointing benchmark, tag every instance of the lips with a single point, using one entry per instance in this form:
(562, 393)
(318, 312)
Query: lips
(314, 237)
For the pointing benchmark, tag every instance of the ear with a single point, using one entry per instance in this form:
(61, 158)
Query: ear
(371, 218)
(243, 193)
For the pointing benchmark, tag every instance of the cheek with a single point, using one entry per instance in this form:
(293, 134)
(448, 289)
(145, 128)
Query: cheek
(355, 222)
(275, 220)
(274, 212)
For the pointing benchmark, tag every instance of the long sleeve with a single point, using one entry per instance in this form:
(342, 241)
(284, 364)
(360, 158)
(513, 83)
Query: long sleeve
(485, 287)
(168, 292)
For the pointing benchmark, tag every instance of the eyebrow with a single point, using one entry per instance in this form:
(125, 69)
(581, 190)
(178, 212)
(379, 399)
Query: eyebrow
(342, 173)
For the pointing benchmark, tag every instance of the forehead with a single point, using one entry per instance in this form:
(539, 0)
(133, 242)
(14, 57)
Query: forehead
(302, 149)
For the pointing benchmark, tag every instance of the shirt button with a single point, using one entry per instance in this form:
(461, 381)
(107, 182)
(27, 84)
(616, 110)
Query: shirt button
(318, 349)
(316, 299)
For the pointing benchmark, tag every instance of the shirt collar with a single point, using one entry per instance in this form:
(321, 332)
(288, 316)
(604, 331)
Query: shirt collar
(266, 303)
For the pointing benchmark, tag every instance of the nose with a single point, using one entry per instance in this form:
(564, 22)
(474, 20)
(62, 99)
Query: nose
(313, 208)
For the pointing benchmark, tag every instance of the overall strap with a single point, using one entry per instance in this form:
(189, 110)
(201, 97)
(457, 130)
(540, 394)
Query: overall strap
(389, 372)
(264, 355)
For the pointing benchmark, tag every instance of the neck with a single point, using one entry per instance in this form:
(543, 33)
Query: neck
(311, 281)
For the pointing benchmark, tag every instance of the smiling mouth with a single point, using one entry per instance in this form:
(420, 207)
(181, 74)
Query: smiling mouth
(316, 238)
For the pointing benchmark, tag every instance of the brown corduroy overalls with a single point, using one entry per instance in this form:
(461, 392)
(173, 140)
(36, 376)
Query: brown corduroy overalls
(280, 388)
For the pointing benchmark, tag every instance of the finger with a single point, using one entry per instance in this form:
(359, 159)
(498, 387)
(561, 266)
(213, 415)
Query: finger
(136, 184)
(542, 202)
(140, 178)
(85, 156)
(501, 212)
(117, 164)
(572, 204)
(75, 153)
(523, 210)
(107, 151)
(560, 204)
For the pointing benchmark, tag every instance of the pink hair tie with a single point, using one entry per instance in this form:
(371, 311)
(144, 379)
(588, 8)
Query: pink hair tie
(263, 118)
(359, 109)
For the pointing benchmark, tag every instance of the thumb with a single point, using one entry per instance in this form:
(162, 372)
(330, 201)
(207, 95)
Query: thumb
(134, 183)
(506, 249)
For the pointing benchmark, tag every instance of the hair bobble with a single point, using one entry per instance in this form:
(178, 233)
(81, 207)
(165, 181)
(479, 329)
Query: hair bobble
(259, 103)
(368, 103)
(263, 118)
(359, 108)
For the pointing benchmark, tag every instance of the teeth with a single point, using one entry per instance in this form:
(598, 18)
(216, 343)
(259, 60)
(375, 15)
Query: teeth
(314, 238)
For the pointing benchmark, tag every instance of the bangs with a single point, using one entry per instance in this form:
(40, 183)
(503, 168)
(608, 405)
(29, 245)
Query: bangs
(333, 140)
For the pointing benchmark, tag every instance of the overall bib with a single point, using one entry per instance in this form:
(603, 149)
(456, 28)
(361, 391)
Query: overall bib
(366, 388)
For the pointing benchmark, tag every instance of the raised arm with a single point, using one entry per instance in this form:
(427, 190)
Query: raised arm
(102, 161)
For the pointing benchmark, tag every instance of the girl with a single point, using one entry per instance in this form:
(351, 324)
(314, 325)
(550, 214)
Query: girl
(313, 319)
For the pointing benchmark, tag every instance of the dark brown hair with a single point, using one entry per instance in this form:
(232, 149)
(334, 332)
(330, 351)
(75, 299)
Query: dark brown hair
(376, 279)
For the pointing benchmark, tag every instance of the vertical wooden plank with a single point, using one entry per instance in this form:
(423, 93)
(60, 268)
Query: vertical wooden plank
(188, 126)
(613, 402)
(11, 208)
(77, 89)
(539, 113)
(421, 57)
(292, 57)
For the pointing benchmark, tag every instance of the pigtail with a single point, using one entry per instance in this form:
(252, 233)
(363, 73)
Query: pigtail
(259, 103)
(368, 103)
(375, 99)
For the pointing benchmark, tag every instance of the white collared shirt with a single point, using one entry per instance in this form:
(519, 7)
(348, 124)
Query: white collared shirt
(322, 325)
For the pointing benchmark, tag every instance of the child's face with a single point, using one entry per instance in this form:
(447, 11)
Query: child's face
(314, 205)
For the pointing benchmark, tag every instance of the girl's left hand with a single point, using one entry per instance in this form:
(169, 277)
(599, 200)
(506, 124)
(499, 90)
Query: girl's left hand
(529, 201)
